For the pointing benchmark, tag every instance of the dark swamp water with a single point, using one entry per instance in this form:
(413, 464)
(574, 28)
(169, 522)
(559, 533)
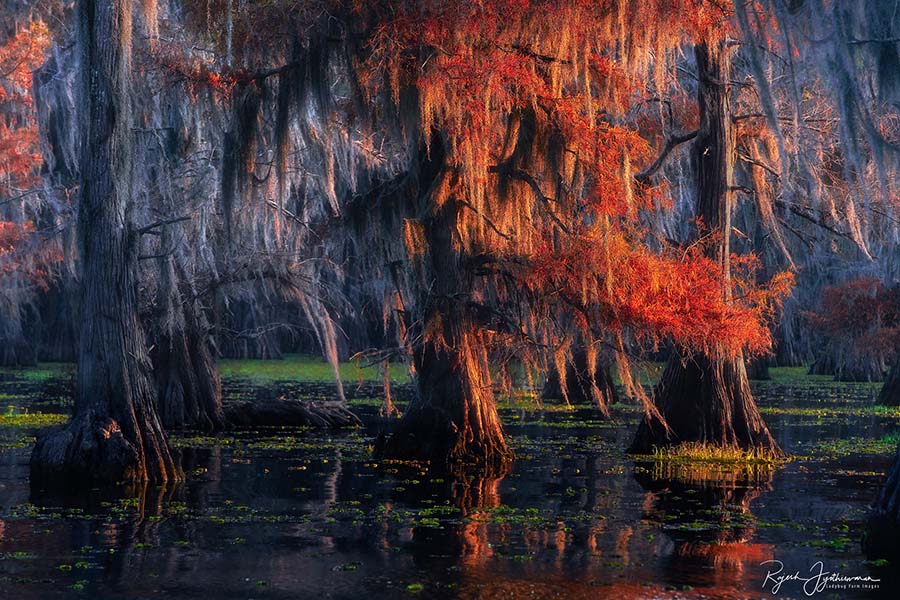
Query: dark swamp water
(284, 513)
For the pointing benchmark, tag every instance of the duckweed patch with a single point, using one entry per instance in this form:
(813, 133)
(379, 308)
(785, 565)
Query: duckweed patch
(29, 420)
(834, 411)
(258, 499)
(834, 448)
(41, 373)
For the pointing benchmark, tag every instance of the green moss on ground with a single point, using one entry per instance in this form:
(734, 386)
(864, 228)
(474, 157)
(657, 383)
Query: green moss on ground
(42, 372)
(25, 420)
(300, 367)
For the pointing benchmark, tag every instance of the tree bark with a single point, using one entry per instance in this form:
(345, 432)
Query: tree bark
(115, 434)
(190, 391)
(882, 537)
(707, 398)
(890, 391)
(453, 420)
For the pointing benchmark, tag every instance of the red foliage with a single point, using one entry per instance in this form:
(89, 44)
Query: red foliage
(23, 254)
(580, 71)
(662, 296)
(475, 64)
(20, 156)
(861, 313)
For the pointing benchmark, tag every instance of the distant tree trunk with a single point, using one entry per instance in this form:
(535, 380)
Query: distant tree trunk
(823, 365)
(846, 366)
(890, 391)
(882, 537)
(758, 368)
(190, 391)
(15, 351)
(115, 434)
(58, 331)
(580, 385)
(707, 399)
(453, 418)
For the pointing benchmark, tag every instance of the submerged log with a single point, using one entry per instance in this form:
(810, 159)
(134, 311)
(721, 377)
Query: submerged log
(290, 413)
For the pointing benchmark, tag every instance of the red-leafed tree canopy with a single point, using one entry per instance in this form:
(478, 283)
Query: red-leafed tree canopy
(20, 156)
(537, 105)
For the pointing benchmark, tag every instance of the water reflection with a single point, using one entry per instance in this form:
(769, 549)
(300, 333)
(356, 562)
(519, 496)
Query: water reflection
(297, 514)
(707, 521)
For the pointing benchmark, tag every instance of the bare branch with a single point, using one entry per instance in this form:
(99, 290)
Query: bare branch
(673, 142)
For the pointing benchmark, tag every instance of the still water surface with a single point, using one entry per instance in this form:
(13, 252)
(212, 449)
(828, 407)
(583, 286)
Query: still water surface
(283, 513)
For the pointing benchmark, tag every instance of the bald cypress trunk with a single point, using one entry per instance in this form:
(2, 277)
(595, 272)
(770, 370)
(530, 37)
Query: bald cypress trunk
(453, 419)
(890, 391)
(704, 398)
(190, 390)
(115, 434)
(882, 536)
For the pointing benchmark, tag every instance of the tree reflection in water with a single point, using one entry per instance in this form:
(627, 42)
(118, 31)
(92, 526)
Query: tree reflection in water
(706, 516)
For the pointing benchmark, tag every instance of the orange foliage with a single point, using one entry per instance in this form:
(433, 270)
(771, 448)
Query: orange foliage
(577, 71)
(658, 296)
(22, 254)
(541, 109)
(20, 156)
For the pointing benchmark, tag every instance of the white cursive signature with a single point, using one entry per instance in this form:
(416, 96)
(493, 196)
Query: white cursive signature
(819, 579)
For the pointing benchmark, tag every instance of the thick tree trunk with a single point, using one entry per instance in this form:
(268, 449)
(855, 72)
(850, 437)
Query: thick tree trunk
(882, 536)
(848, 367)
(705, 400)
(580, 385)
(758, 368)
(190, 391)
(453, 419)
(115, 434)
(890, 391)
(708, 399)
